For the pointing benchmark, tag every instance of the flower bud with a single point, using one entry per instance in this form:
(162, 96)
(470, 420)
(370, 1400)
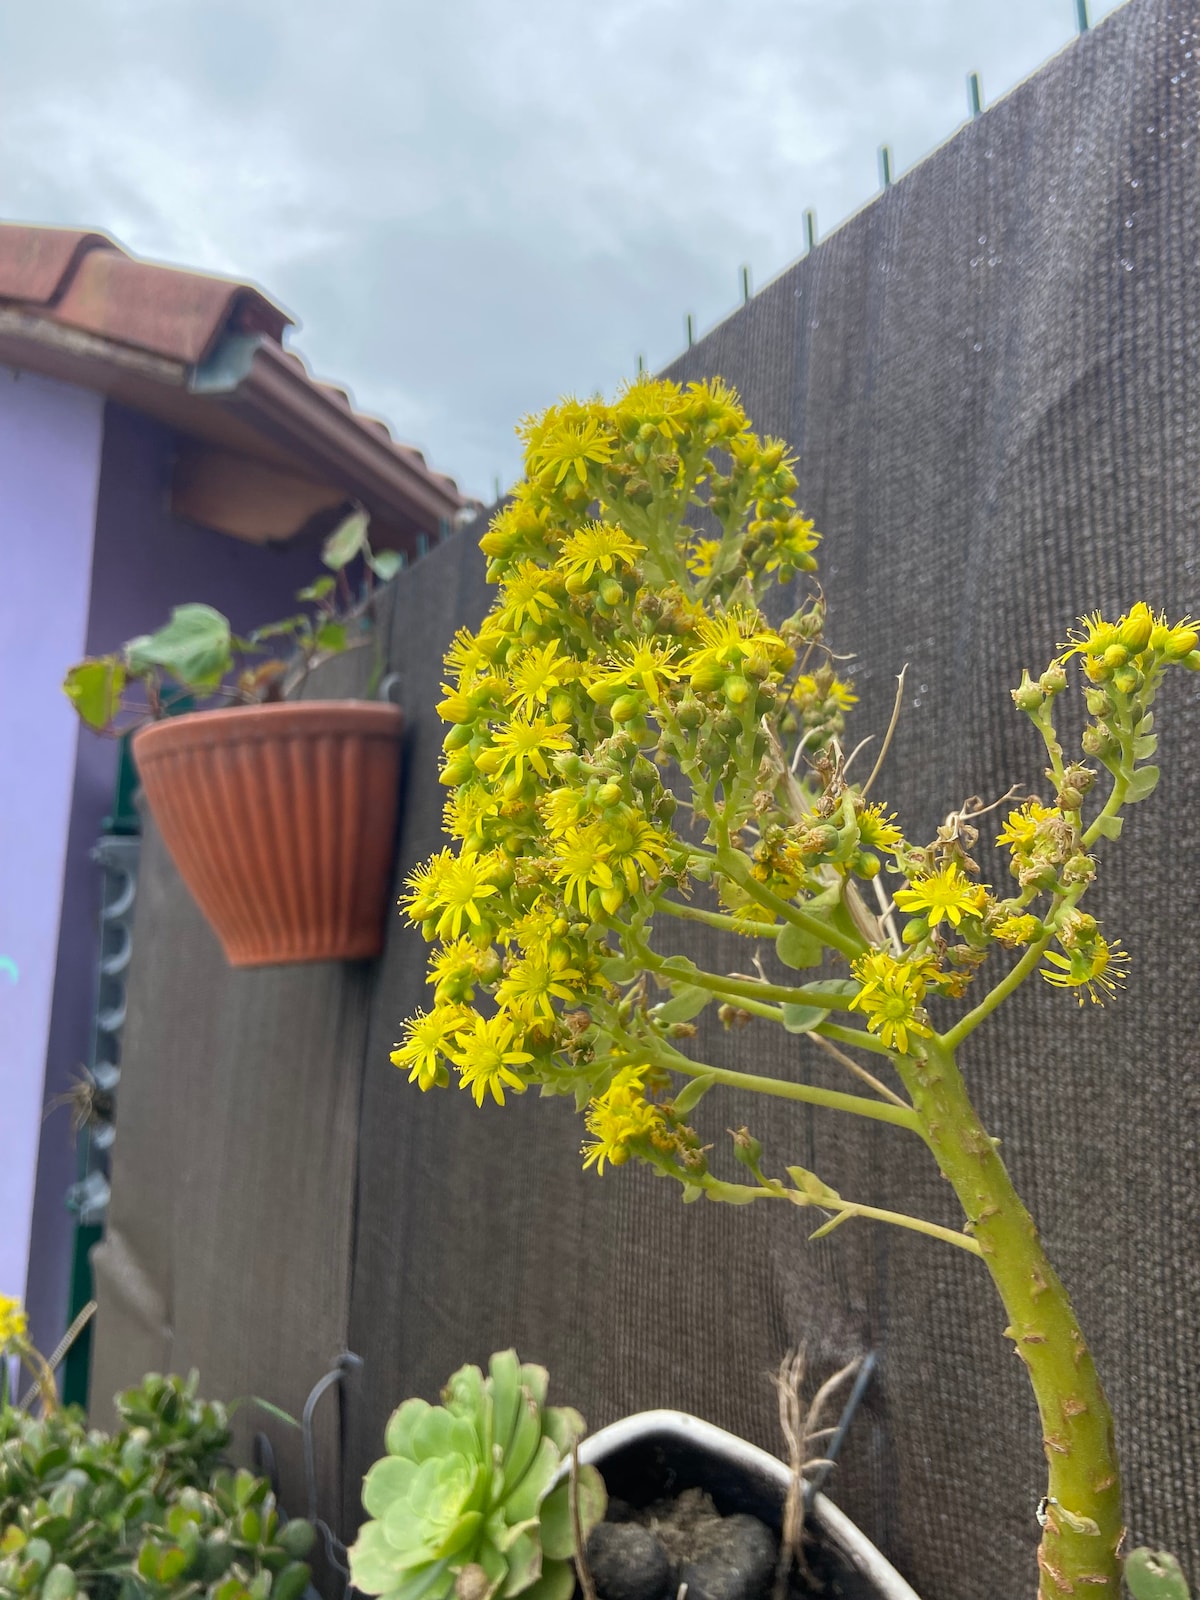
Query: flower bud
(1192, 661)
(708, 676)
(1054, 679)
(1128, 680)
(1098, 702)
(1116, 656)
(611, 592)
(1137, 628)
(1181, 643)
(1027, 697)
(914, 930)
(569, 765)
(746, 1147)
(737, 689)
(626, 707)
(562, 707)
(609, 794)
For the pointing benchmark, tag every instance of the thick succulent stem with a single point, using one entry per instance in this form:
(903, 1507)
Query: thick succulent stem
(1082, 1510)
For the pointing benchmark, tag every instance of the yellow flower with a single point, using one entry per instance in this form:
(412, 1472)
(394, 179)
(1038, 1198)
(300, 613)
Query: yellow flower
(534, 674)
(597, 545)
(526, 740)
(565, 444)
(532, 983)
(945, 893)
(890, 998)
(466, 811)
(487, 1055)
(877, 829)
(1090, 966)
(701, 556)
(456, 968)
(580, 866)
(528, 595)
(13, 1326)
(726, 641)
(1018, 930)
(428, 1038)
(644, 664)
(806, 689)
(1020, 830)
(633, 846)
(619, 1118)
(449, 888)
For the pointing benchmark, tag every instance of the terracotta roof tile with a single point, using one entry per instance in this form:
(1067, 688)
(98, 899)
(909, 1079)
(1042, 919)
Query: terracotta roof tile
(86, 283)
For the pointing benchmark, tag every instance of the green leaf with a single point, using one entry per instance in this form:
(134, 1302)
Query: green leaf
(523, 1501)
(331, 637)
(389, 1480)
(94, 689)
(291, 1583)
(687, 1001)
(1142, 784)
(796, 948)
(812, 1187)
(1145, 746)
(194, 647)
(802, 1019)
(402, 1425)
(524, 1557)
(564, 1425)
(618, 969)
(558, 1540)
(385, 564)
(59, 1583)
(832, 986)
(1155, 1575)
(346, 541)
(692, 1094)
(1110, 827)
(557, 1582)
(319, 590)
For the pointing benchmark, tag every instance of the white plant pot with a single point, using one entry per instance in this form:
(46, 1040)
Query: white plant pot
(668, 1450)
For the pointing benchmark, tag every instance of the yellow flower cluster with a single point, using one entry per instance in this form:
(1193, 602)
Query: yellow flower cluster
(620, 639)
(13, 1327)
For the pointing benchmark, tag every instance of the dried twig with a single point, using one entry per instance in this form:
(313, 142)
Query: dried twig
(582, 1570)
(801, 1429)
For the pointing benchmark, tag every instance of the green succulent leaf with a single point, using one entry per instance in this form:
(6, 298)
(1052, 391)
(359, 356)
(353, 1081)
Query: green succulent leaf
(558, 1537)
(59, 1583)
(389, 1480)
(402, 1425)
(527, 1495)
(1141, 784)
(802, 1019)
(563, 1424)
(504, 1372)
(557, 1582)
(524, 1558)
(1155, 1575)
(687, 1001)
(796, 948)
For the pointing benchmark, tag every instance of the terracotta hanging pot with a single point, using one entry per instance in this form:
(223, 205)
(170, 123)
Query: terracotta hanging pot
(281, 820)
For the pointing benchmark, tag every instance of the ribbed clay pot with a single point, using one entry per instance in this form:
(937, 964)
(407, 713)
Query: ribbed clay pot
(281, 820)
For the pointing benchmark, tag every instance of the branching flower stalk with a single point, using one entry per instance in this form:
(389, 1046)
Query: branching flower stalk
(629, 734)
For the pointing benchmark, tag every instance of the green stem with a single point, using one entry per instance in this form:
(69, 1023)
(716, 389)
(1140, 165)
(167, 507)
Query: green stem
(751, 988)
(856, 1104)
(1111, 808)
(732, 864)
(1012, 980)
(1078, 1552)
(719, 919)
(742, 1193)
(857, 1038)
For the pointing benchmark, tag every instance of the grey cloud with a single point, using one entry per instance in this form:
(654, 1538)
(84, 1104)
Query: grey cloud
(477, 204)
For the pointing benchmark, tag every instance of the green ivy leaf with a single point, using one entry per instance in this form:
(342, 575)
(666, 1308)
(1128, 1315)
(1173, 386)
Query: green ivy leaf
(385, 564)
(796, 948)
(320, 590)
(331, 638)
(346, 541)
(194, 647)
(94, 689)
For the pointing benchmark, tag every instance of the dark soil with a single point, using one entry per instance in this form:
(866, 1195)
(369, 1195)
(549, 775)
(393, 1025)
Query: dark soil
(646, 1553)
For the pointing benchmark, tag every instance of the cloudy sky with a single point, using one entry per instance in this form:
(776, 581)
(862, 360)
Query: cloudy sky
(472, 206)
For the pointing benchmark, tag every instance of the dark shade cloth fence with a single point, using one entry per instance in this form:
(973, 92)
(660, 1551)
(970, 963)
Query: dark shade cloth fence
(991, 379)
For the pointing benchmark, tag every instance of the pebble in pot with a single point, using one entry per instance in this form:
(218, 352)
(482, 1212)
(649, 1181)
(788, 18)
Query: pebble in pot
(628, 1562)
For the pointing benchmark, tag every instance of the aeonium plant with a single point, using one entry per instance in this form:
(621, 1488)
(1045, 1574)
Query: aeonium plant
(631, 741)
(196, 656)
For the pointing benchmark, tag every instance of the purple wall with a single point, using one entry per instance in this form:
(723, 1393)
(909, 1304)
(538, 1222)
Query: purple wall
(50, 449)
(145, 562)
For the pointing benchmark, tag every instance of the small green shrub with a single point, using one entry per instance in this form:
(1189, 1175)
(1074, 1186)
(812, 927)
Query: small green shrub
(148, 1511)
